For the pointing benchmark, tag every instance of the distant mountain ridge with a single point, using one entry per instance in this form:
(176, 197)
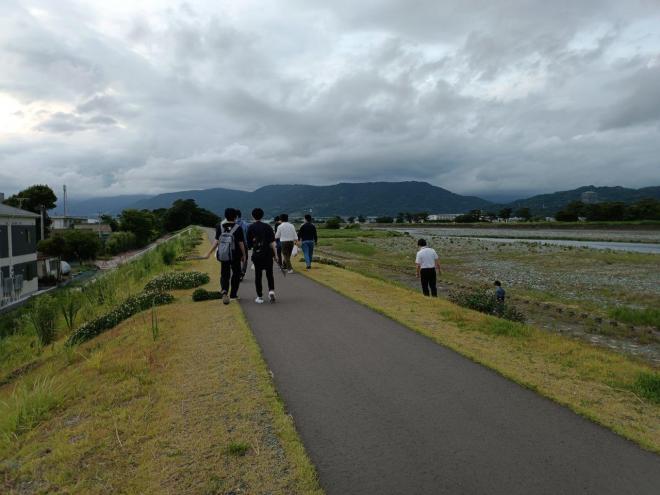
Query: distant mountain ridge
(345, 199)
(549, 204)
(370, 198)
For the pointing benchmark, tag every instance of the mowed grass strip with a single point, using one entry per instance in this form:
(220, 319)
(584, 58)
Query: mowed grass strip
(191, 411)
(611, 389)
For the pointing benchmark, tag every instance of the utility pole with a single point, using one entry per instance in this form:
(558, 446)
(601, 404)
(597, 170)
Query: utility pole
(64, 187)
(42, 209)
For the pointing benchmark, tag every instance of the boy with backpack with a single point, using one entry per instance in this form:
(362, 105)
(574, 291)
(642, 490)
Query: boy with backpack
(261, 239)
(244, 226)
(230, 252)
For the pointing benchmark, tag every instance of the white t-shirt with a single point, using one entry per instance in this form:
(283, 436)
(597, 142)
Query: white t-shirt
(286, 232)
(426, 257)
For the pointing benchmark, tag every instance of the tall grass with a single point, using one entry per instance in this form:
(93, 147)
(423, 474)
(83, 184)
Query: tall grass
(634, 316)
(27, 406)
(43, 316)
(648, 386)
(95, 298)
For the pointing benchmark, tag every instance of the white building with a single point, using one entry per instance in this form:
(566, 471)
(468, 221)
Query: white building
(442, 216)
(18, 254)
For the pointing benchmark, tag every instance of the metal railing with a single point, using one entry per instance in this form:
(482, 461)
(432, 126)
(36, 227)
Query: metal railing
(12, 287)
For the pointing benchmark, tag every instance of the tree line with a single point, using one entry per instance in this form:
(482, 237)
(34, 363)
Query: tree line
(132, 229)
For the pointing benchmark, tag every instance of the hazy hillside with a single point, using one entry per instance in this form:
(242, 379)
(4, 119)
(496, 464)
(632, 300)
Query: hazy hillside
(92, 206)
(549, 204)
(371, 198)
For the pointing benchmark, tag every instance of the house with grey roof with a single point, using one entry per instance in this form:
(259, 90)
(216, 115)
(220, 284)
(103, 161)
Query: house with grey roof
(18, 254)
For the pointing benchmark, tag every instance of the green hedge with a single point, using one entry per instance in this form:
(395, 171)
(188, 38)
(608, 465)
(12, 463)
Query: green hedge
(177, 280)
(205, 295)
(130, 307)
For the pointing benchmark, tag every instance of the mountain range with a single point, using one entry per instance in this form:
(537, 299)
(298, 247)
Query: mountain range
(368, 198)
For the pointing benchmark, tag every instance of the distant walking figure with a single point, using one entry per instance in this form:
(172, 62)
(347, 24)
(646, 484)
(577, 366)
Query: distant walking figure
(261, 239)
(308, 239)
(500, 293)
(427, 263)
(231, 252)
(244, 226)
(278, 244)
(287, 235)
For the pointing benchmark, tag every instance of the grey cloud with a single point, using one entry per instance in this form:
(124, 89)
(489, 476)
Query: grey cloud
(479, 97)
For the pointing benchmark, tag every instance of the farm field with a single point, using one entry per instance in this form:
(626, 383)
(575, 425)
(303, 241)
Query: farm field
(606, 297)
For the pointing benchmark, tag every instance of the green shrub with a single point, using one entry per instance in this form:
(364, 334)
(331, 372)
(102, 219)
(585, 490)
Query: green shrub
(333, 223)
(484, 301)
(177, 280)
(648, 386)
(354, 226)
(42, 316)
(238, 449)
(205, 295)
(132, 305)
(119, 242)
(167, 253)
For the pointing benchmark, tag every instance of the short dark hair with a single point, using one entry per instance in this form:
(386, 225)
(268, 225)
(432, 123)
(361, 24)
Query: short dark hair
(421, 242)
(498, 283)
(257, 213)
(238, 213)
(230, 214)
(308, 217)
(284, 217)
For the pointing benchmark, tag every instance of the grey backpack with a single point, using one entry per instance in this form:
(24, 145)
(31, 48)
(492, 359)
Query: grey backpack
(227, 245)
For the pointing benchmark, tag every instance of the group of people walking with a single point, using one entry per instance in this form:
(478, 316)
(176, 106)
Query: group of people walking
(235, 238)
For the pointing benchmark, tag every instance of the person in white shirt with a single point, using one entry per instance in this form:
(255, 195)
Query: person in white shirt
(427, 263)
(287, 235)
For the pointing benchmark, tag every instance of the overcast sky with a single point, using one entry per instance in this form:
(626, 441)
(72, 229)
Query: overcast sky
(493, 98)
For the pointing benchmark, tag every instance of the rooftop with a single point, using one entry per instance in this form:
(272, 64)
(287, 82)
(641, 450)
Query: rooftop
(10, 211)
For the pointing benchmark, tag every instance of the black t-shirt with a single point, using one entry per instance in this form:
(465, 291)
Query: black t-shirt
(238, 234)
(307, 232)
(259, 238)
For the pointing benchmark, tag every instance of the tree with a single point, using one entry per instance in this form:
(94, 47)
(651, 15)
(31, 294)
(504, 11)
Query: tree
(400, 217)
(472, 216)
(33, 199)
(72, 244)
(419, 216)
(505, 213)
(141, 222)
(384, 220)
(109, 220)
(571, 212)
(524, 213)
(333, 223)
(361, 219)
(53, 246)
(350, 219)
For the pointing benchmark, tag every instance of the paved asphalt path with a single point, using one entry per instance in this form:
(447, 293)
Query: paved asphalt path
(383, 410)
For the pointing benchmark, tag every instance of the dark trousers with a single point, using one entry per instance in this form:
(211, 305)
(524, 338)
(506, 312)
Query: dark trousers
(230, 274)
(427, 275)
(278, 249)
(287, 249)
(263, 266)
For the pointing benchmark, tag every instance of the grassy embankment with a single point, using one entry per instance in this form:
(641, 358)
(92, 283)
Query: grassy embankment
(188, 407)
(613, 390)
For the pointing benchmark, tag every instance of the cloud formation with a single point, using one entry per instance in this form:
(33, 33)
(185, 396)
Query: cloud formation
(487, 98)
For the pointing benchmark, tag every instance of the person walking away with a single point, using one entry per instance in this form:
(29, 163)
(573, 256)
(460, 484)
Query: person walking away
(427, 263)
(500, 293)
(278, 244)
(287, 235)
(261, 239)
(308, 239)
(244, 227)
(229, 246)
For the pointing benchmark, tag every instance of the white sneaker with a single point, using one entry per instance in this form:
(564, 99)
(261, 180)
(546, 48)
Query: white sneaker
(271, 296)
(259, 300)
(290, 271)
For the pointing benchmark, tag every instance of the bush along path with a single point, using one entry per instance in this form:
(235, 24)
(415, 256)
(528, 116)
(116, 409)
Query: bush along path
(382, 409)
(172, 400)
